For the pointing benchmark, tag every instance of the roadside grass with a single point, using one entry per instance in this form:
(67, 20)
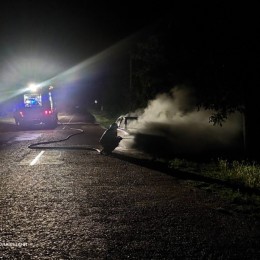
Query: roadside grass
(7, 120)
(240, 173)
(236, 181)
(103, 118)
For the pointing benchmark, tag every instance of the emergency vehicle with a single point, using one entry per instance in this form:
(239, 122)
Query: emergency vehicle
(36, 107)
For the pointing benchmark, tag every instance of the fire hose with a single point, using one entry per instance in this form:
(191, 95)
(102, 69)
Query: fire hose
(38, 145)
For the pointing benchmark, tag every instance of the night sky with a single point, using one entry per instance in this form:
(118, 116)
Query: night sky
(68, 33)
(41, 39)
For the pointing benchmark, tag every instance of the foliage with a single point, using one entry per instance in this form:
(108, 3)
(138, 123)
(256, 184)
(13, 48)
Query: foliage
(242, 172)
(169, 57)
(103, 118)
(148, 67)
(239, 172)
(219, 65)
(181, 164)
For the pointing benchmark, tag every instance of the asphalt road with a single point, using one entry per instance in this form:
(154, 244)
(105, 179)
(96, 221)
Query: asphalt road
(69, 202)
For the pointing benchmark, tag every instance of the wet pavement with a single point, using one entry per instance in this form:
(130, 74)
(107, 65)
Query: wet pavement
(78, 204)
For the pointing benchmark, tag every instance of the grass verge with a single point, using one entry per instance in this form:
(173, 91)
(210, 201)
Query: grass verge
(103, 118)
(236, 181)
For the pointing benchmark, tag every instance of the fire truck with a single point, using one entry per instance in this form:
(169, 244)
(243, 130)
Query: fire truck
(36, 107)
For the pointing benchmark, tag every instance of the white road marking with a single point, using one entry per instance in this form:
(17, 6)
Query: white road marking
(35, 160)
(50, 157)
(68, 122)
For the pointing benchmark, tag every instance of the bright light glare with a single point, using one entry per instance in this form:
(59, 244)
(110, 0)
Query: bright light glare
(87, 67)
(75, 73)
(33, 87)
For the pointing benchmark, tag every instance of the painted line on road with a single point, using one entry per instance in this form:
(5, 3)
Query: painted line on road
(35, 160)
(68, 122)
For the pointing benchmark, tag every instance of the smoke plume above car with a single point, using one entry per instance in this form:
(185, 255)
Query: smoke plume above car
(173, 125)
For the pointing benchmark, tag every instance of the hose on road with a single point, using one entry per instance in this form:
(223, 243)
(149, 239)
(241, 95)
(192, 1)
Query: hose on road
(38, 145)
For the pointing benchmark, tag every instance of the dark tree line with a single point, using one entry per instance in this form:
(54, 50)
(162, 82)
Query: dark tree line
(213, 50)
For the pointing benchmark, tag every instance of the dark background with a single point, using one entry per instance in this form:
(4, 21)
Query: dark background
(39, 40)
(85, 49)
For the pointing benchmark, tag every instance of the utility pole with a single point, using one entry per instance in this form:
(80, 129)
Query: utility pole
(130, 73)
(130, 81)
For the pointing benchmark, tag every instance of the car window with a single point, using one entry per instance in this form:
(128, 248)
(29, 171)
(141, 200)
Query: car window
(125, 122)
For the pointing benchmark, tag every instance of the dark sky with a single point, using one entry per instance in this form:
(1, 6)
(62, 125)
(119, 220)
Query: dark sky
(73, 30)
(40, 39)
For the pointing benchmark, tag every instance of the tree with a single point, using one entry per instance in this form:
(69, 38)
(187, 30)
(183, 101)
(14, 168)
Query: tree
(148, 66)
(215, 52)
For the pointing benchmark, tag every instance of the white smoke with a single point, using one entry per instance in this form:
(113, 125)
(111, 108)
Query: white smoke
(174, 119)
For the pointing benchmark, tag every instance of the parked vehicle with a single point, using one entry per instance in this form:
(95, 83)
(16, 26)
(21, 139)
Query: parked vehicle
(36, 107)
(126, 124)
(126, 129)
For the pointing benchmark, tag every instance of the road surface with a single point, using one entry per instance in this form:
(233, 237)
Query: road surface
(69, 202)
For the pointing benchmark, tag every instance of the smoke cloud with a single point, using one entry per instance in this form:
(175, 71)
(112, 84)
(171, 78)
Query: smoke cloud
(171, 125)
